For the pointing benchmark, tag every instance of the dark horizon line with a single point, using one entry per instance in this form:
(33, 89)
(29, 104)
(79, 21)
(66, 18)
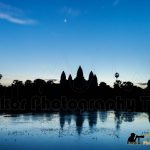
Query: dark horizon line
(58, 81)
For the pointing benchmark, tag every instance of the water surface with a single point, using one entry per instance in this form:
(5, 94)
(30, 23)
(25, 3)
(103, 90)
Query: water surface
(89, 131)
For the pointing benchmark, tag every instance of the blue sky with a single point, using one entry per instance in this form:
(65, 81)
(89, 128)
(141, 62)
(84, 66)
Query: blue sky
(39, 39)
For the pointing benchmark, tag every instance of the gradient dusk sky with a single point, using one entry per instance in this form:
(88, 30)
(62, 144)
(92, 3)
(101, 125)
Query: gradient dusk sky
(41, 38)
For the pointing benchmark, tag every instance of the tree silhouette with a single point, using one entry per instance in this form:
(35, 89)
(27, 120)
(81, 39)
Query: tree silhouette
(148, 84)
(50, 82)
(17, 83)
(77, 91)
(127, 85)
(102, 84)
(39, 82)
(28, 83)
(39, 86)
(1, 76)
(117, 84)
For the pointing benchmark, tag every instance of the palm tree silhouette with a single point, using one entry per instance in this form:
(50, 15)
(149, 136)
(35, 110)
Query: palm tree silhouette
(148, 84)
(1, 76)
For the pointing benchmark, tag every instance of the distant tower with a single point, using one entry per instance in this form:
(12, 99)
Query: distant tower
(79, 81)
(118, 82)
(80, 74)
(63, 78)
(116, 75)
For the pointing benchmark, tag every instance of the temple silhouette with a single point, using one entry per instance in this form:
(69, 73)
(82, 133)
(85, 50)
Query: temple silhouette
(73, 95)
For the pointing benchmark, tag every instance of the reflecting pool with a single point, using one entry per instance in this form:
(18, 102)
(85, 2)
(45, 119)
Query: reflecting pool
(57, 131)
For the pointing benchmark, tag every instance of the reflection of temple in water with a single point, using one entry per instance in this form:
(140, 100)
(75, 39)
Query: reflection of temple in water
(118, 119)
(149, 117)
(62, 120)
(79, 118)
(92, 118)
(79, 122)
(103, 116)
(126, 117)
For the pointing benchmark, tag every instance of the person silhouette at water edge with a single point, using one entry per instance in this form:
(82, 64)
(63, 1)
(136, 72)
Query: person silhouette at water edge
(132, 139)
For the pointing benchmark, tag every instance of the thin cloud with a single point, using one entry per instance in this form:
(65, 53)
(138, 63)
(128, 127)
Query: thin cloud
(10, 9)
(70, 11)
(13, 15)
(116, 2)
(142, 84)
(12, 19)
